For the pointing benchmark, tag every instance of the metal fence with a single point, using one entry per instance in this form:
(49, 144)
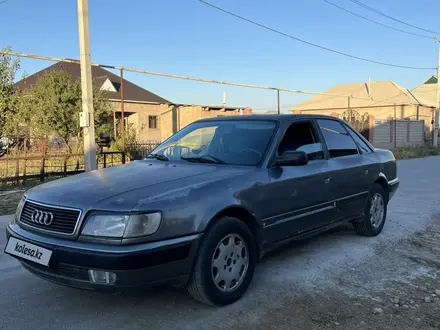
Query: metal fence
(140, 149)
(21, 169)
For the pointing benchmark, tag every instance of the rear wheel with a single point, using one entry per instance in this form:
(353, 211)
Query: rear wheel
(375, 213)
(225, 263)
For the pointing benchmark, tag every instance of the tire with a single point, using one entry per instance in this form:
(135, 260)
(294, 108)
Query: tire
(371, 226)
(226, 235)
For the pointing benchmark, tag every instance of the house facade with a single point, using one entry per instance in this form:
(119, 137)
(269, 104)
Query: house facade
(364, 104)
(150, 116)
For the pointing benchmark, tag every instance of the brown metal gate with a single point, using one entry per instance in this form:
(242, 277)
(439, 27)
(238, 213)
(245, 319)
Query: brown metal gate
(359, 122)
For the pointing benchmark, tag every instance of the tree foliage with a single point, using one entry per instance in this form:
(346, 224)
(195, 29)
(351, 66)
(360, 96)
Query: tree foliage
(8, 70)
(53, 104)
(49, 108)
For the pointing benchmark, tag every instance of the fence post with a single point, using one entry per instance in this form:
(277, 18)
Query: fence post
(395, 127)
(123, 157)
(371, 125)
(24, 170)
(105, 159)
(42, 169)
(392, 121)
(17, 170)
(65, 166)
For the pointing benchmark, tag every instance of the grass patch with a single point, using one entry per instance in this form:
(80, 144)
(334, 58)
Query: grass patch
(415, 152)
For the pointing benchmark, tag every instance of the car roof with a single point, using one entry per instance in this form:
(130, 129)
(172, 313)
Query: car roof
(283, 118)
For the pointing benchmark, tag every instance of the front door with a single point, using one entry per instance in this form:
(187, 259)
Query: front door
(298, 197)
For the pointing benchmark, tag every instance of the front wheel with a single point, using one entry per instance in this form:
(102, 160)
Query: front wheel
(225, 263)
(375, 213)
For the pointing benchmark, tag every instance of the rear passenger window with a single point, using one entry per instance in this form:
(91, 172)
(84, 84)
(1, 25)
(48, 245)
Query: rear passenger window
(359, 141)
(339, 142)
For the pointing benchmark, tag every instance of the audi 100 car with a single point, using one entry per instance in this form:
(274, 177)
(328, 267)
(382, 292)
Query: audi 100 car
(205, 206)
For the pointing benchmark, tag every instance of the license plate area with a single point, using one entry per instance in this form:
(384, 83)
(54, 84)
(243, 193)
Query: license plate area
(25, 250)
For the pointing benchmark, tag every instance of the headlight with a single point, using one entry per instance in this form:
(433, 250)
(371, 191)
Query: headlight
(19, 208)
(122, 226)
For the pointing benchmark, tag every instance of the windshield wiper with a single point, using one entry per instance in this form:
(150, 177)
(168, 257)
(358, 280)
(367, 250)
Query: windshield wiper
(204, 159)
(158, 157)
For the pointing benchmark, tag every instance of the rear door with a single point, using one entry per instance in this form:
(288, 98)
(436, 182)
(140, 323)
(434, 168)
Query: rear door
(371, 164)
(298, 197)
(349, 169)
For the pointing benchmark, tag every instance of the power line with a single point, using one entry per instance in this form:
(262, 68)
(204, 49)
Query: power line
(376, 22)
(167, 75)
(392, 18)
(310, 43)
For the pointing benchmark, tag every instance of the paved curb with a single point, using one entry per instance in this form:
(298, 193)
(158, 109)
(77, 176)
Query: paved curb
(6, 218)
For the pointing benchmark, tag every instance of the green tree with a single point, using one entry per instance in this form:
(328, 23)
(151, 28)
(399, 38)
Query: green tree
(53, 104)
(8, 70)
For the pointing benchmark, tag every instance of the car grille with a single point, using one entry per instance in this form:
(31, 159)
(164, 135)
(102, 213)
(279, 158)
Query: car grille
(63, 221)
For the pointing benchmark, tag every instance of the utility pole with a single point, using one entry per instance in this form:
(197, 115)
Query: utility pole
(395, 126)
(87, 120)
(278, 102)
(436, 114)
(121, 90)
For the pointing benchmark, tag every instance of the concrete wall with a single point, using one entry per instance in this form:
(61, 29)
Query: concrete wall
(137, 115)
(405, 133)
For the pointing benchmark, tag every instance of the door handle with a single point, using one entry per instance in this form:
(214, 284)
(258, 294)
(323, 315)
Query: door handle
(327, 180)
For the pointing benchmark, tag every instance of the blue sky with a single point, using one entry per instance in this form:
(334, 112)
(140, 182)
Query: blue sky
(188, 38)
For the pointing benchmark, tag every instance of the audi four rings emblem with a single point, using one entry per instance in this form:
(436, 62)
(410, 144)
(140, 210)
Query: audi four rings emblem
(42, 217)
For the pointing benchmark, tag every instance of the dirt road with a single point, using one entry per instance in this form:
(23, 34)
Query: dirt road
(335, 281)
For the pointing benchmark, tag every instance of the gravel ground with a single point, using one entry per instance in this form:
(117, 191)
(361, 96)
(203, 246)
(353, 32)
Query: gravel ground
(337, 280)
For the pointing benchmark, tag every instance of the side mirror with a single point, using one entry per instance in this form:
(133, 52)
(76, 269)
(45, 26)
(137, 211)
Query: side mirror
(292, 158)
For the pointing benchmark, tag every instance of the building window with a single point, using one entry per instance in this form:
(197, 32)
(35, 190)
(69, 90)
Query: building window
(152, 122)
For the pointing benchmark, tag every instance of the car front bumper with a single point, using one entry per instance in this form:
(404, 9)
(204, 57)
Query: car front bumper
(135, 266)
(393, 186)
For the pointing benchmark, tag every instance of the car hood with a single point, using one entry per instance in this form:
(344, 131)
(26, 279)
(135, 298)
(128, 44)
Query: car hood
(93, 189)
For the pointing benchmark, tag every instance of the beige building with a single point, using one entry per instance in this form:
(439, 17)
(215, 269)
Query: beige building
(152, 117)
(363, 104)
(426, 93)
(157, 122)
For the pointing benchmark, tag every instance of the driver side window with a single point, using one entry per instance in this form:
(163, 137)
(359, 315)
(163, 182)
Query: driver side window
(302, 137)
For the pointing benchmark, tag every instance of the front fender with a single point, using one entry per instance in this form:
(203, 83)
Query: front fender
(235, 208)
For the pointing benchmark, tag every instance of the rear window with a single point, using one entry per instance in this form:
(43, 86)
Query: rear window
(359, 141)
(339, 142)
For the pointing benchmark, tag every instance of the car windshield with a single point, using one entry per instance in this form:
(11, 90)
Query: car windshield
(239, 142)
